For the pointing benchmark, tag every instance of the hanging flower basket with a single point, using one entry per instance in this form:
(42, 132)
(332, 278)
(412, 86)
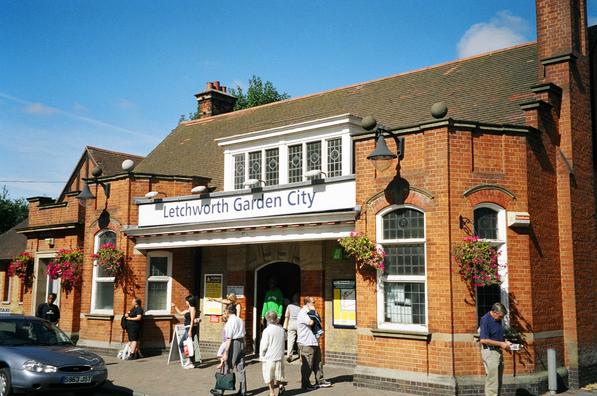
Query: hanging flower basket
(477, 262)
(111, 260)
(364, 251)
(22, 267)
(68, 266)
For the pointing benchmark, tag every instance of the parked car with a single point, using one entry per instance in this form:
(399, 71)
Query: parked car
(36, 356)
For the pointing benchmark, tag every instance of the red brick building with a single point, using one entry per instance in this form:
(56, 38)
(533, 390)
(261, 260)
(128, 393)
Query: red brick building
(500, 145)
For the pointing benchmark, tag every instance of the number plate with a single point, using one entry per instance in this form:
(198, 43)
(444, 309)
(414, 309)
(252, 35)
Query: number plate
(72, 379)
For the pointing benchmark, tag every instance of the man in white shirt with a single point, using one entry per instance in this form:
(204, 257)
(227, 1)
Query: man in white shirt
(309, 349)
(271, 353)
(234, 351)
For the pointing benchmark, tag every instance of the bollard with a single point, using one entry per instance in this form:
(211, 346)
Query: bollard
(552, 378)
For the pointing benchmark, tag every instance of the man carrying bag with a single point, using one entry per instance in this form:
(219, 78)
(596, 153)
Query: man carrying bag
(234, 354)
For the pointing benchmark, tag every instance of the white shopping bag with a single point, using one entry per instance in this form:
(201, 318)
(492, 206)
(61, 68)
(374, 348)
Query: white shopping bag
(189, 349)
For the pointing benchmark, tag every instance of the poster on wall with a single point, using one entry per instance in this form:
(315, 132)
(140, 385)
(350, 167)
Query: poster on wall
(238, 290)
(344, 308)
(213, 289)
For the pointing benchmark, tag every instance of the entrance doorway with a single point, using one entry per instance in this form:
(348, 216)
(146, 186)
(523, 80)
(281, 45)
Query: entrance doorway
(43, 284)
(288, 278)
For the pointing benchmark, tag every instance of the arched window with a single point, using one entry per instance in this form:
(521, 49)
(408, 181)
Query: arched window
(490, 225)
(102, 294)
(402, 287)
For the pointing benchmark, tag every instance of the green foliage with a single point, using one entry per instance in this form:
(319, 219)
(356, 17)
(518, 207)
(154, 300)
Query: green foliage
(258, 93)
(68, 266)
(12, 212)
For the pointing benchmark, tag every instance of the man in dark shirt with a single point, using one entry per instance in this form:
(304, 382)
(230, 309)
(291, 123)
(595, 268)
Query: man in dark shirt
(49, 310)
(491, 336)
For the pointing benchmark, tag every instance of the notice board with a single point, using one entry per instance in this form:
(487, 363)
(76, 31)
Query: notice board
(345, 303)
(213, 289)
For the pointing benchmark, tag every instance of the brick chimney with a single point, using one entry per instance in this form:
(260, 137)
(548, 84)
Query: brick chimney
(214, 100)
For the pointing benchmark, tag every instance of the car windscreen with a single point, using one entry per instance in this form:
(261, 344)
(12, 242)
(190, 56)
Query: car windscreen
(18, 332)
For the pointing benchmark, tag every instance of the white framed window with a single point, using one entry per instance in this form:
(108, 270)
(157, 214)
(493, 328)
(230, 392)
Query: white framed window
(489, 224)
(5, 286)
(402, 286)
(102, 293)
(159, 283)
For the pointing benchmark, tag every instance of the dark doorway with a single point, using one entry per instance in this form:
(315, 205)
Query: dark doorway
(288, 277)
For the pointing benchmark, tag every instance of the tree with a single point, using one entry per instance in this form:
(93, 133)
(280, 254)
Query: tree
(12, 212)
(258, 94)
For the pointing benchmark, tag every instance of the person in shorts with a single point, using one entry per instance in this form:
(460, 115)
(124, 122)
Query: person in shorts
(271, 354)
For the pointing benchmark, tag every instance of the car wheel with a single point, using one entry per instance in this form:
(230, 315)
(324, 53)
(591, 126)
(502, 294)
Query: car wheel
(5, 382)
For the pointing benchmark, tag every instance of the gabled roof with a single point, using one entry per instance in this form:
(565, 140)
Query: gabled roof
(12, 243)
(485, 88)
(109, 161)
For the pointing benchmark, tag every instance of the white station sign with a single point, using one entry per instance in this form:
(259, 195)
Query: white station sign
(304, 199)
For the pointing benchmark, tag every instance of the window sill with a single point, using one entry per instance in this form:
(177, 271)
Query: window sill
(159, 316)
(409, 335)
(99, 317)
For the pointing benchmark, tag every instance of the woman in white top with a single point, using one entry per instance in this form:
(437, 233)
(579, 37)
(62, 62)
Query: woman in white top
(271, 354)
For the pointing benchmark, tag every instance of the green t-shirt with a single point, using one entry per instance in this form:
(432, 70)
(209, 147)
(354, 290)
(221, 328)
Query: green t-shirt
(273, 302)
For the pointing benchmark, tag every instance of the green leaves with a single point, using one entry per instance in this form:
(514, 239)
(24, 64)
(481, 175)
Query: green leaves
(258, 93)
(12, 212)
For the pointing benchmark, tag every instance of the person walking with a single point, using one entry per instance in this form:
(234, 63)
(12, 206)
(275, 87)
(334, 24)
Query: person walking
(491, 337)
(309, 349)
(133, 328)
(290, 316)
(190, 316)
(48, 310)
(271, 354)
(234, 349)
(274, 300)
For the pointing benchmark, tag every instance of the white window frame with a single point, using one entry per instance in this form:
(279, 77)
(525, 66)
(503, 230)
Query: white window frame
(97, 279)
(501, 246)
(167, 278)
(8, 284)
(381, 278)
(322, 130)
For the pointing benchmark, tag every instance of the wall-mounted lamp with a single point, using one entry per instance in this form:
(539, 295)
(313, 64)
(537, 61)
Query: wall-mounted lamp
(86, 194)
(315, 176)
(153, 194)
(254, 184)
(382, 156)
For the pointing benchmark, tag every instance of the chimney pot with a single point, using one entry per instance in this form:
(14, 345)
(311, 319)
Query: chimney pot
(216, 85)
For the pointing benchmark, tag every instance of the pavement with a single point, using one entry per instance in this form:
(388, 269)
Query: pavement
(153, 376)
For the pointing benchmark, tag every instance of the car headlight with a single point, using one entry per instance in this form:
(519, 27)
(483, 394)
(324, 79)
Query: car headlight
(37, 367)
(100, 365)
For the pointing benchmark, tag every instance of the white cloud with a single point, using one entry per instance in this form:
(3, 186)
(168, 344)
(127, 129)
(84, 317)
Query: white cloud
(502, 31)
(125, 104)
(39, 109)
(79, 108)
(592, 20)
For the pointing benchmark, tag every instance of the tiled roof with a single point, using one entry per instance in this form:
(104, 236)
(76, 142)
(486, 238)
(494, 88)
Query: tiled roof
(110, 161)
(485, 88)
(12, 243)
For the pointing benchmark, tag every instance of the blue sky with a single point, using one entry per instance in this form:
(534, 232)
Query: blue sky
(118, 74)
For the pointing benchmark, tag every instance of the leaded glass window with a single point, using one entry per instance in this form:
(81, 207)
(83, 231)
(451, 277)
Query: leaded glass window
(314, 156)
(272, 167)
(486, 224)
(239, 171)
(103, 282)
(402, 297)
(255, 165)
(334, 157)
(295, 163)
